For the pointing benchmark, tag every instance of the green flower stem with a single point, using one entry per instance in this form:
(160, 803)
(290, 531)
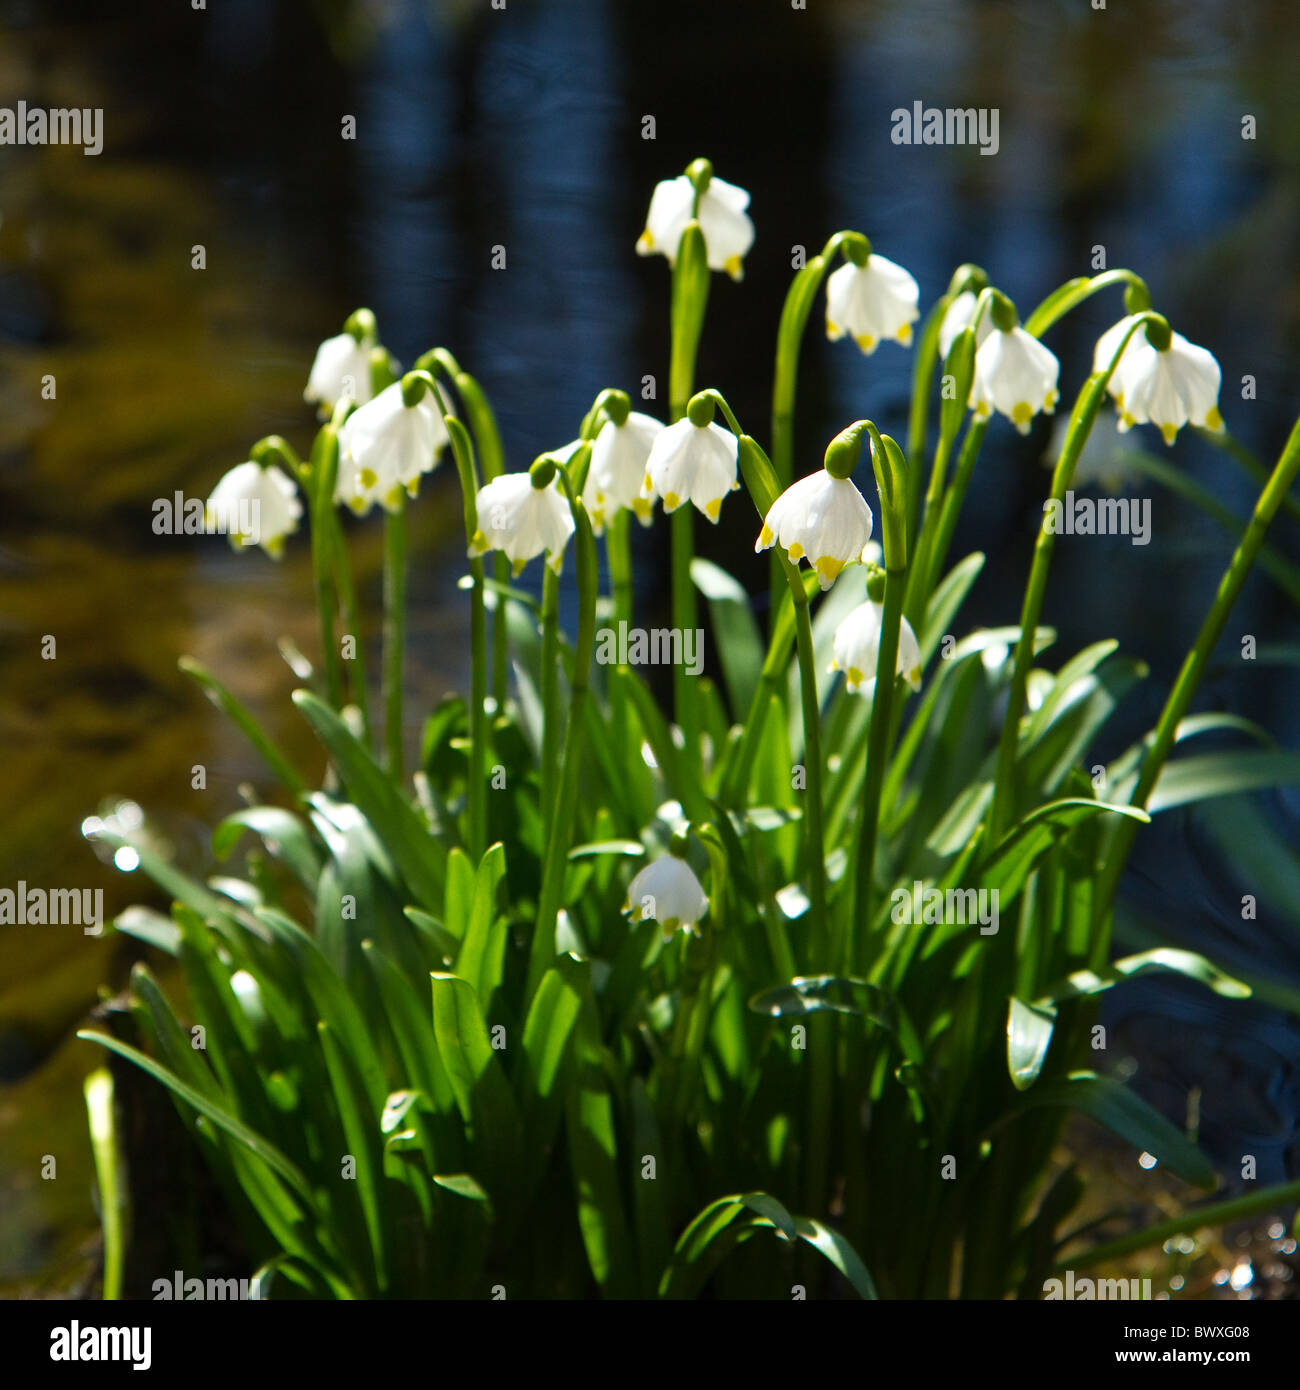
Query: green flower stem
(960, 368)
(491, 455)
(619, 549)
(689, 300)
(927, 354)
(351, 617)
(891, 484)
(323, 475)
(462, 448)
(550, 691)
(878, 739)
(799, 300)
(1193, 669)
(394, 634)
(1081, 421)
(936, 553)
(1073, 293)
(814, 834)
(561, 823)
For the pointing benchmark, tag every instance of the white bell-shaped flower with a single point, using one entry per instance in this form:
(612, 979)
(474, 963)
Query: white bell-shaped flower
(618, 467)
(872, 302)
(692, 463)
(822, 519)
(1014, 375)
(668, 891)
(1168, 389)
(254, 506)
(341, 371)
(856, 649)
(385, 446)
(523, 520)
(960, 314)
(728, 231)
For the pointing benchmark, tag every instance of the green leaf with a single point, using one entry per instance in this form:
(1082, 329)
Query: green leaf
(1128, 1115)
(271, 754)
(1029, 1036)
(740, 646)
(481, 957)
(1221, 774)
(419, 857)
(1186, 963)
(205, 1105)
(283, 833)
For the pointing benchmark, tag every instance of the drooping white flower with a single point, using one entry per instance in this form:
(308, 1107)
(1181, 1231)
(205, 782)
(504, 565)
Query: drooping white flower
(1015, 375)
(692, 463)
(1168, 388)
(872, 302)
(618, 467)
(254, 506)
(668, 891)
(523, 520)
(856, 648)
(385, 446)
(341, 370)
(959, 315)
(728, 231)
(822, 519)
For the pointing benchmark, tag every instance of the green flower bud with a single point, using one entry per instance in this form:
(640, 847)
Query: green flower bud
(875, 584)
(700, 172)
(856, 249)
(701, 409)
(1137, 298)
(1003, 312)
(843, 451)
(618, 407)
(1159, 334)
(542, 473)
(361, 324)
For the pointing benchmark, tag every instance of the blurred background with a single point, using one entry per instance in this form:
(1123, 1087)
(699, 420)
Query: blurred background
(522, 127)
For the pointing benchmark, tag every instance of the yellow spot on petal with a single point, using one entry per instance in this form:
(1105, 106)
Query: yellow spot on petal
(413, 488)
(865, 341)
(517, 568)
(275, 548)
(855, 677)
(913, 677)
(827, 568)
(734, 267)
(711, 509)
(671, 926)
(645, 243)
(982, 410)
(905, 334)
(358, 505)
(1021, 414)
(1126, 422)
(1213, 420)
(643, 508)
(765, 537)
(1170, 433)
(368, 477)
(833, 330)
(478, 543)
(795, 552)
(671, 501)
(1119, 400)
(648, 483)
